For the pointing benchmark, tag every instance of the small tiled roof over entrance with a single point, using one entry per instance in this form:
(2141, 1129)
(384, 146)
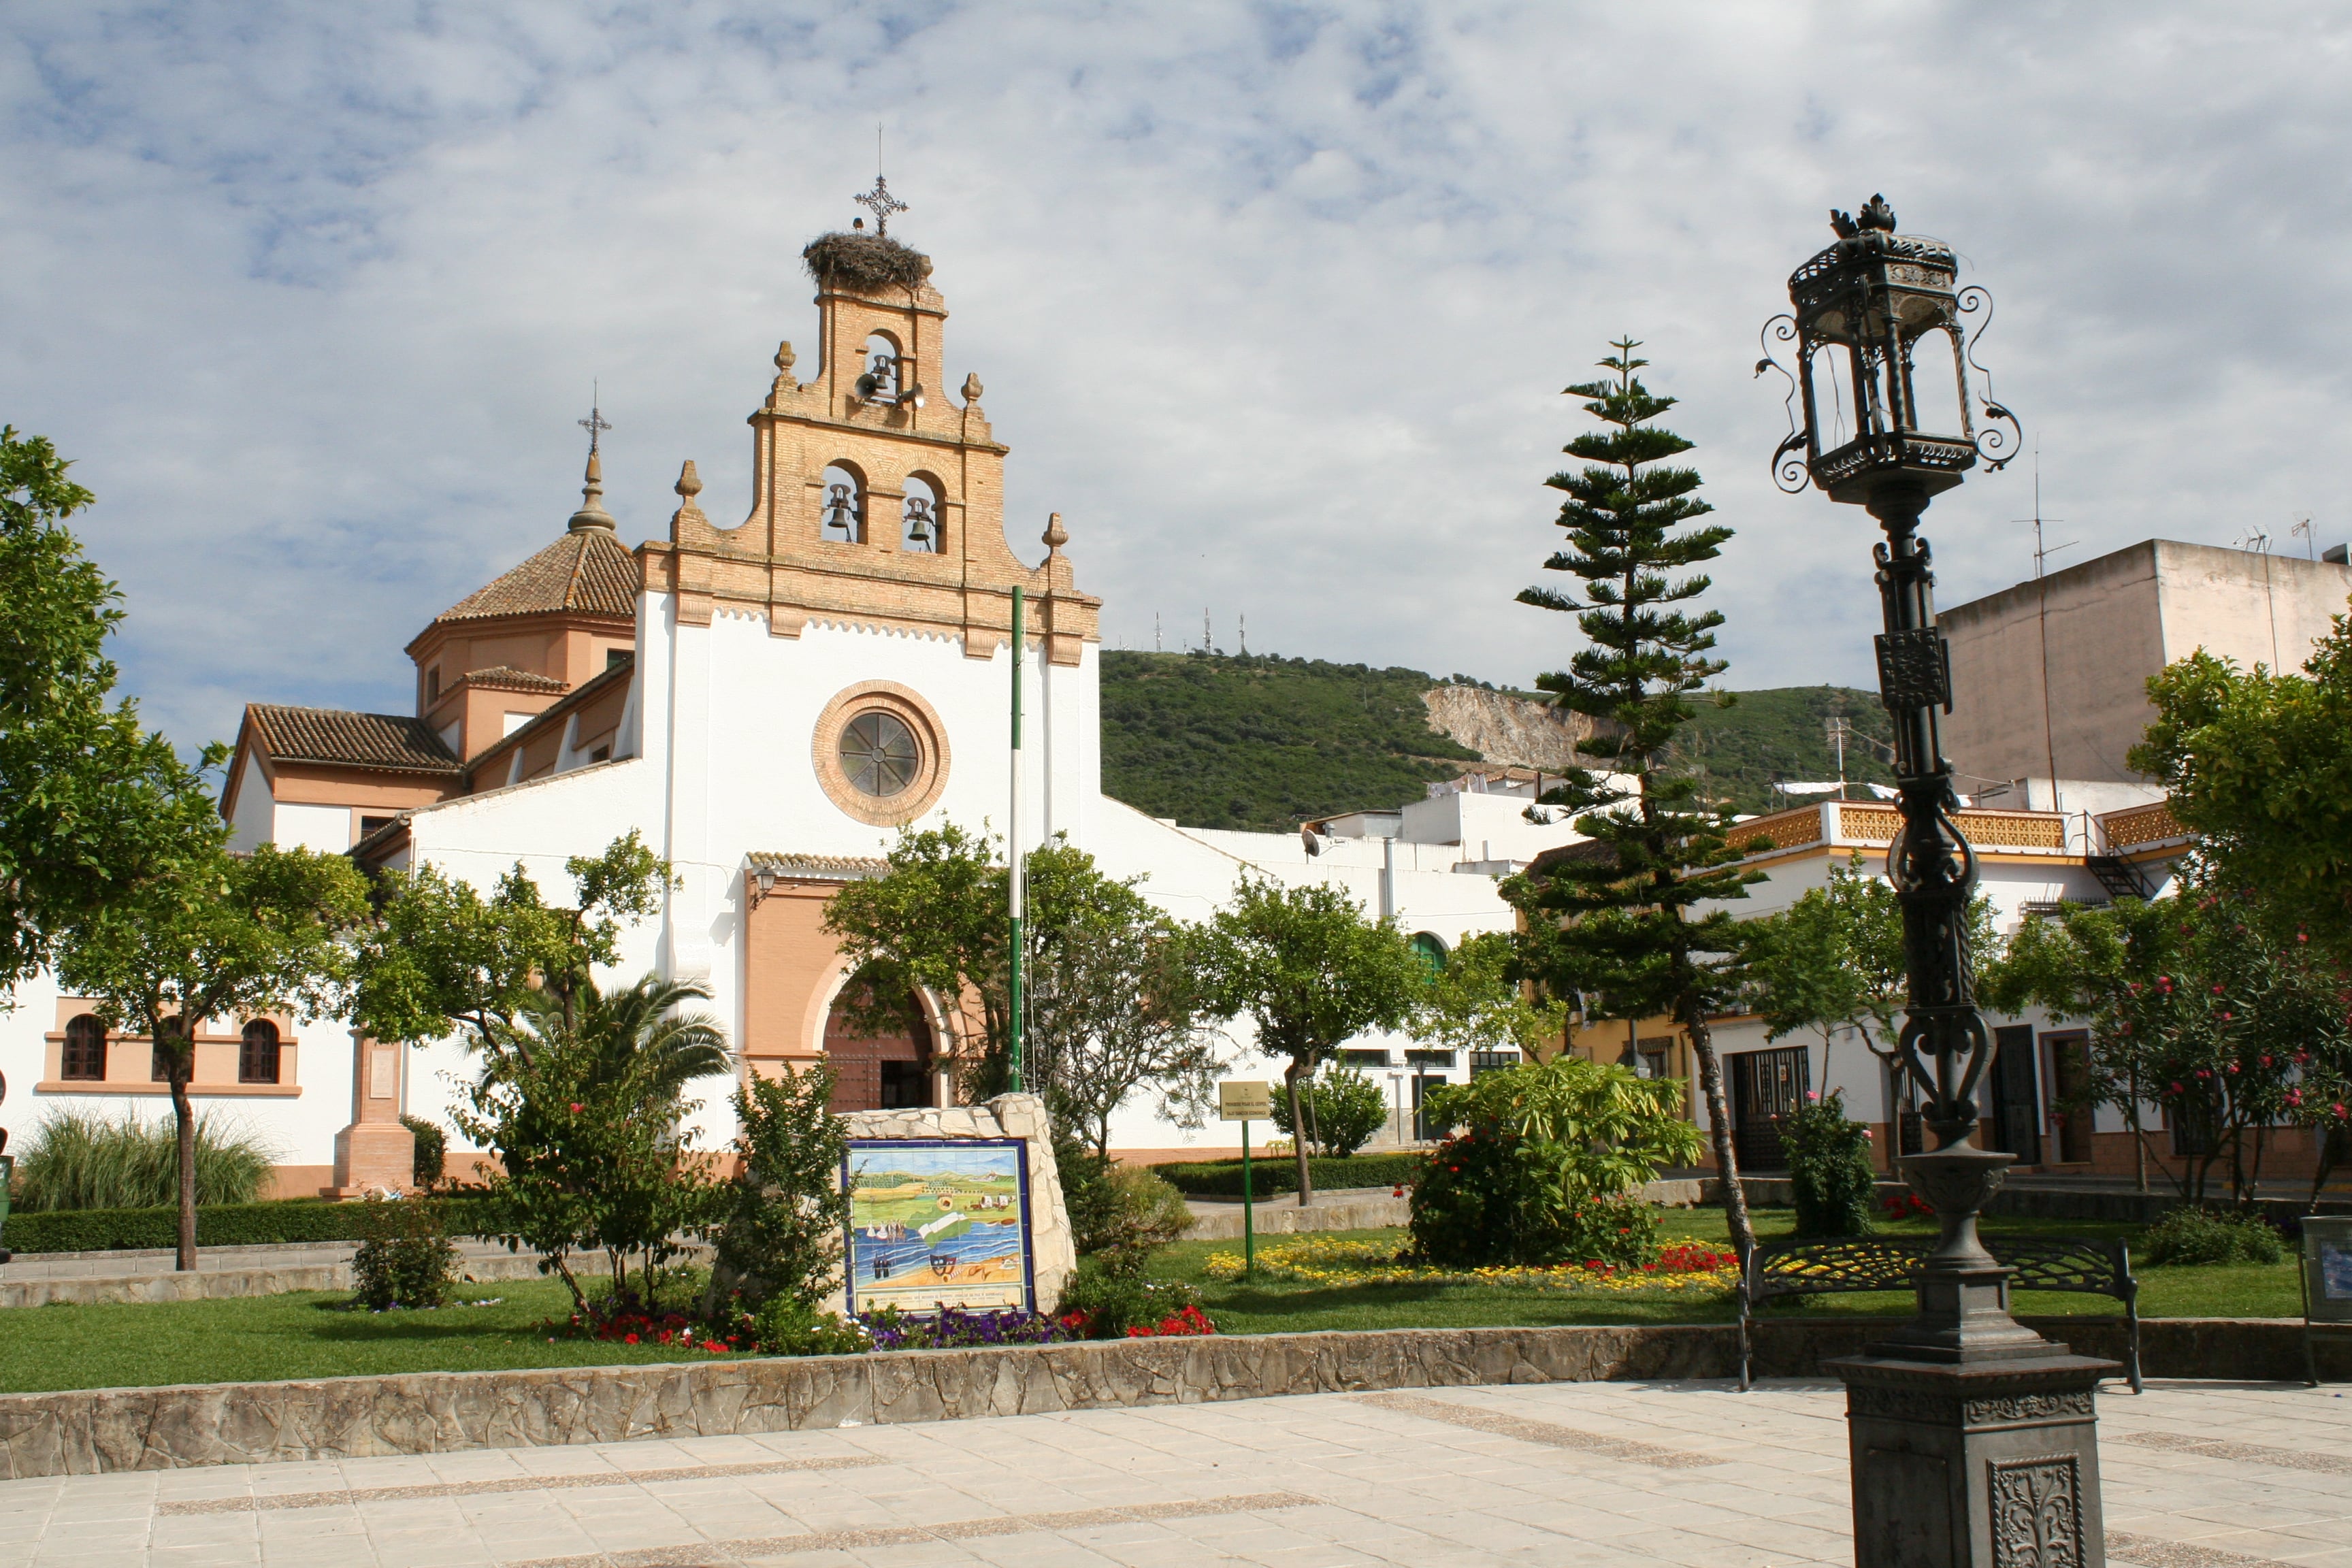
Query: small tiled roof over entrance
(819, 867)
(390, 742)
(587, 572)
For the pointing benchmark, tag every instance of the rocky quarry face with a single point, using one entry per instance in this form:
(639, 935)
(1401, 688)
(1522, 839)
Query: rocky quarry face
(1510, 731)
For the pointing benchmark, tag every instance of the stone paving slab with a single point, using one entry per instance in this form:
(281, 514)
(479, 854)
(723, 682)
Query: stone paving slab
(1558, 1474)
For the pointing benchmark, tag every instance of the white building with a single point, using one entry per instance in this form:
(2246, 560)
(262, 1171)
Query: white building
(767, 702)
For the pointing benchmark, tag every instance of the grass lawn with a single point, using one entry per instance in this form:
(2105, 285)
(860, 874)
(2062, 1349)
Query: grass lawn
(313, 1334)
(304, 1333)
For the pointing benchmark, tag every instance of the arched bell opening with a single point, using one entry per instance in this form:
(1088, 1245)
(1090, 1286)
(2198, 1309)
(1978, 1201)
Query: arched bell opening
(883, 378)
(879, 1048)
(920, 523)
(841, 505)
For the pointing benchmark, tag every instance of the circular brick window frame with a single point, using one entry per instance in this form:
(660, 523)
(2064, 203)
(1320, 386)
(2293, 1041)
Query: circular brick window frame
(922, 719)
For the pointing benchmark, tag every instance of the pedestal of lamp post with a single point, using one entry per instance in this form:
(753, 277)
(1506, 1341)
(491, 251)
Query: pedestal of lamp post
(1974, 1440)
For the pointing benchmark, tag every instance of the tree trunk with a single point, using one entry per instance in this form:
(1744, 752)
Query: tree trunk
(1298, 1132)
(184, 1114)
(2139, 1135)
(1719, 1114)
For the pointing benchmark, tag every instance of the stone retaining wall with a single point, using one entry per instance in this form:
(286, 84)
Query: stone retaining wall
(92, 1431)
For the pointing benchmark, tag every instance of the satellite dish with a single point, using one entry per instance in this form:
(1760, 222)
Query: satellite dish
(1314, 841)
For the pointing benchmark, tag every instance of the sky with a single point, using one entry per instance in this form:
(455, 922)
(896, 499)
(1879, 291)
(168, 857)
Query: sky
(1273, 303)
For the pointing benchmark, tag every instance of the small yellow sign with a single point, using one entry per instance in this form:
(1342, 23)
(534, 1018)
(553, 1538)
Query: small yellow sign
(1243, 1101)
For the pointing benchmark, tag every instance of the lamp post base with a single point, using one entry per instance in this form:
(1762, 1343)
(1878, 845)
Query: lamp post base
(1989, 1463)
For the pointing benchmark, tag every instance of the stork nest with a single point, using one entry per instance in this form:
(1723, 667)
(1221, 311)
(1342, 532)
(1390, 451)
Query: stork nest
(865, 261)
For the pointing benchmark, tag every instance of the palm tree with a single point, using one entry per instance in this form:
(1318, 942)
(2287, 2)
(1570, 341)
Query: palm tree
(637, 1030)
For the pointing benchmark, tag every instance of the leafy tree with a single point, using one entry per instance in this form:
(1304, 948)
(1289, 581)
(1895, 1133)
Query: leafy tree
(1632, 934)
(1343, 1108)
(1113, 1004)
(584, 1102)
(1545, 1169)
(936, 922)
(2259, 766)
(1112, 1009)
(1312, 971)
(205, 935)
(439, 956)
(91, 803)
(1477, 1002)
(2193, 1002)
(782, 1211)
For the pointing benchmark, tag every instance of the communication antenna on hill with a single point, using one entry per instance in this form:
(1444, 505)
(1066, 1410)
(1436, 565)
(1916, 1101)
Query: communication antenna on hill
(1242, 634)
(1837, 725)
(1207, 642)
(1156, 645)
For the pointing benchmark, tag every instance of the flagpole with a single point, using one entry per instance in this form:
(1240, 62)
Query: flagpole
(1015, 859)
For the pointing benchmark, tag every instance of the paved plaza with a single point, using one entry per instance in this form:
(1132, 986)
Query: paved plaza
(2198, 1476)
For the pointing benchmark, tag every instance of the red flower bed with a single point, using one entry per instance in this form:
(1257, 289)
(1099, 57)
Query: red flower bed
(1189, 1320)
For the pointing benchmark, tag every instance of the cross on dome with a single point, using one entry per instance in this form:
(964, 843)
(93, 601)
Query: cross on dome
(594, 424)
(881, 203)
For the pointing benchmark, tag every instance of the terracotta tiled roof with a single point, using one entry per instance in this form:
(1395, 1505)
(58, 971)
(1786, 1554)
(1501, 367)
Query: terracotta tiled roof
(507, 678)
(819, 867)
(387, 740)
(587, 572)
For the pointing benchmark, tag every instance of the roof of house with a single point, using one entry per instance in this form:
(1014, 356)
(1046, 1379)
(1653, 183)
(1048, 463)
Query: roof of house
(819, 867)
(586, 572)
(389, 742)
(507, 678)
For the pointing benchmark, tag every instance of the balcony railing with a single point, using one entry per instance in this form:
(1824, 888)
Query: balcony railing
(1870, 823)
(2140, 826)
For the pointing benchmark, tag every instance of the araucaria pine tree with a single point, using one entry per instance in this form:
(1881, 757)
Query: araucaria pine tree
(1632, 937)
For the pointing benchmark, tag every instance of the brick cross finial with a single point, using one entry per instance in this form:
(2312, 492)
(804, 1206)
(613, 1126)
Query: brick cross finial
(881, 203)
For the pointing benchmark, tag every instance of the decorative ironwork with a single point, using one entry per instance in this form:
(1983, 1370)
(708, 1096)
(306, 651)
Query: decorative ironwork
(881, 203)
(1996, 444)
(1915, 669)
(1787, 464)
(2037, 1511)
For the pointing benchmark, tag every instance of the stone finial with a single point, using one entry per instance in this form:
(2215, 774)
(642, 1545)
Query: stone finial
(784, 381)
(1056, 535)
(690, 483)
(591, 512)
(971, 388)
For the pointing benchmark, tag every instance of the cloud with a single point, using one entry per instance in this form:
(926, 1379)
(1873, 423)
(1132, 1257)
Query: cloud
(1274, 302)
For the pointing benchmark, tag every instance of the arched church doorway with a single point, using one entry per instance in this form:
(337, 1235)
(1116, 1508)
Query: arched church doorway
(876, 1066)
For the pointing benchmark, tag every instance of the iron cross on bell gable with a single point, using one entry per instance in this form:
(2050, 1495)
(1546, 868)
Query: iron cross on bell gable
(881, 203)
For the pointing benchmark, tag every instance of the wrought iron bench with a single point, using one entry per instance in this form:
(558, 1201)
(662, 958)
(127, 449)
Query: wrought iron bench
(1834, 1267)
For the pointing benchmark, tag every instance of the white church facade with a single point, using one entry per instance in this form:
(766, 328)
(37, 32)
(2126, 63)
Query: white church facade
(767, 704)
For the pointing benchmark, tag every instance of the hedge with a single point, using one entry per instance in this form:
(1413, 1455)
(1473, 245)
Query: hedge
(1279, 1173)
(224, 1225)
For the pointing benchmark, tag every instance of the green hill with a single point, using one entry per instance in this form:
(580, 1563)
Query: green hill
(1258, 742)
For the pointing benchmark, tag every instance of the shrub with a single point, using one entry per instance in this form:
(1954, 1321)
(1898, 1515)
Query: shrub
(1101, 1303)
(782, 1214)
(1270, 1177)
(2190, 1235)
(1829, 1169)
(406, 1260)
(783, 1326)
(278, 1223)
(76, 1160)
(428, 1170)
(1147, 1215)
(1343, 1110)
(1544, 1170)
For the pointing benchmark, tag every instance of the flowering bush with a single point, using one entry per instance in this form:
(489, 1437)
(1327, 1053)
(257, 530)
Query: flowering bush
(783, 1326)
(953, 1327)
(1544, 1172)
(621, 1318)
(406, 1260)
(1189, 1320)
(1101, 1303)
(1904, 1206)
(1829, 1168)
(1682, 1269)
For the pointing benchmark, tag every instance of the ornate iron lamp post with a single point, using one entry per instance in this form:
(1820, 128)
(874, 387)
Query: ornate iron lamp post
(1973, 1437)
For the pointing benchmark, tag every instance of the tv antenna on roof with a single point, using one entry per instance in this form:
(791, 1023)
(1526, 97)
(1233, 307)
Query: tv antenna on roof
(2303, 526)
(2041, 553)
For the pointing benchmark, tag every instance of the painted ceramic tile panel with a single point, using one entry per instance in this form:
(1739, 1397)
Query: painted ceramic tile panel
(938, 1222)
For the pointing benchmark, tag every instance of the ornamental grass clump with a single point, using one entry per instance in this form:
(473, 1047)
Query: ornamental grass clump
(1545, 1169)
(1829, 1168)
(75, 1161)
